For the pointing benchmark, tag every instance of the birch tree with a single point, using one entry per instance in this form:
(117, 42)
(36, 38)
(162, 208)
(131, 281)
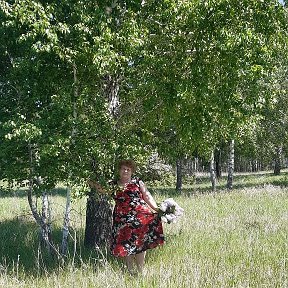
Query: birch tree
(64, 245)
(212, 171)
(205, 67)
(230, 166)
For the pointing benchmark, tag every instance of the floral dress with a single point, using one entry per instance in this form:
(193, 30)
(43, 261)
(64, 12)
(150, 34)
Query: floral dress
(135, 227)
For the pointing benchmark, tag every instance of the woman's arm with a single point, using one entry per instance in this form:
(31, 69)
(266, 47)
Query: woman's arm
(147, 196)
(97, 186)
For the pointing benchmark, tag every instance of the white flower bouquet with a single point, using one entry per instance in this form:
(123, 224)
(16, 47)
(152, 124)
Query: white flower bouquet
(170, 211)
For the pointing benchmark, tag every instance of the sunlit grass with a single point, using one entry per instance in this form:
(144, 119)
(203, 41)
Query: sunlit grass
(225, 239)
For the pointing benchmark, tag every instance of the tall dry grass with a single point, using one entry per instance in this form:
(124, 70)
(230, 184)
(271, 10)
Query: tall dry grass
(225, 239)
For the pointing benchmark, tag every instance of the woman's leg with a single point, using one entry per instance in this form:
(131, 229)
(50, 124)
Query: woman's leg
(129, 262)
(140, 258)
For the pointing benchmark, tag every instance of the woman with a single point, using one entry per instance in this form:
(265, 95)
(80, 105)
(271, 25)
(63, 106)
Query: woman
(136, 225)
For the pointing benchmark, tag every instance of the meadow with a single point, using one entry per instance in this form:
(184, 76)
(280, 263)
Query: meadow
(235, 238)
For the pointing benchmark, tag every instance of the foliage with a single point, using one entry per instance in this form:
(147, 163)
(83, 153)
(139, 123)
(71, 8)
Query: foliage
(203, 68)
(186, 74)
(40, 114)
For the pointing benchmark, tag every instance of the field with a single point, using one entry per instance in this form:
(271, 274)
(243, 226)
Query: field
(225, 239)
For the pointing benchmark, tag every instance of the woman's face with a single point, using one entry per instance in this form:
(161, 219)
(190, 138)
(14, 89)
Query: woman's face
(125, 172)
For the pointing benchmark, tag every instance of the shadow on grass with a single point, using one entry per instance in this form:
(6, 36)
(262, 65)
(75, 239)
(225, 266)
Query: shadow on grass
(21, 251)
(19, 244)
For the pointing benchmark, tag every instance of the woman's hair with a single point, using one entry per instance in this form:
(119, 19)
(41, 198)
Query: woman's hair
(129, 163)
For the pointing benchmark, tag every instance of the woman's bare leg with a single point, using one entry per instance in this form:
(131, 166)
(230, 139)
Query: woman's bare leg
(129, 262)
(140, 258)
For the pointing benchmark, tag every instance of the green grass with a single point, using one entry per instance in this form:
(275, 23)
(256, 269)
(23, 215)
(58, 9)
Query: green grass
(225, 239)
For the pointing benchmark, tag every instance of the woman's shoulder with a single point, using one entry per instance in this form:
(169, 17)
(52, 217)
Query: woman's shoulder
(137, 181)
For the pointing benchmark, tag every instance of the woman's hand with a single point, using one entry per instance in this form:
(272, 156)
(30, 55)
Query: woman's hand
(97, 186)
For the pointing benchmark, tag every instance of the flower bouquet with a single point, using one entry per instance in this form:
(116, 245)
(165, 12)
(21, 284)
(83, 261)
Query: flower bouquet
(169, 211)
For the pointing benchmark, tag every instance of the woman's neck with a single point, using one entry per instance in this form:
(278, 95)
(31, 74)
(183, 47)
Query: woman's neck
(124, 181)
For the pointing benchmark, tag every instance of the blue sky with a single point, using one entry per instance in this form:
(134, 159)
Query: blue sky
(281, 1)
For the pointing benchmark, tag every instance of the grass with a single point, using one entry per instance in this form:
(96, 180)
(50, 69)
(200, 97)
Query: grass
(226, 239)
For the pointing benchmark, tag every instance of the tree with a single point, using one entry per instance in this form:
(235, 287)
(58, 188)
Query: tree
(54, 43)
(230, 165)
(205, 64)
(26, 153)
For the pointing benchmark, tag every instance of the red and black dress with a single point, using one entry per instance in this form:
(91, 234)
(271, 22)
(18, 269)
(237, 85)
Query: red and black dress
(135, 227)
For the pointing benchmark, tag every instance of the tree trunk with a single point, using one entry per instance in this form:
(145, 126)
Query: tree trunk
(46, 222)
(196, 165)
(254, 165)
(218, 164)
(98, 221)
(66, 223)
(277, 161)
(178, 175)
(65, 229)
(98, 209)
(212, 171)
(230, 165)
(111, 90)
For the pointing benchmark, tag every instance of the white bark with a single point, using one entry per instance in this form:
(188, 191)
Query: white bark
(43, 220)
(65, 229)
(230, 165)
(32, 204)
(111, 88)
(46, 217)
(212, 171)
(66, 223)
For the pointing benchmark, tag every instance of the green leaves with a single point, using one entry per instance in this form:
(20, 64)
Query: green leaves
(185, 74)
(26, 131)
(206, 72)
